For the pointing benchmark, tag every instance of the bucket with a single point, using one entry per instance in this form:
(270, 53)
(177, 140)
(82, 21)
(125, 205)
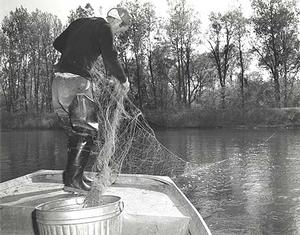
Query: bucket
(67, 217)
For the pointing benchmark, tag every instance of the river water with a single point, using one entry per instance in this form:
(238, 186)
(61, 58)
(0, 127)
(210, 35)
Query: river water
(248, 181)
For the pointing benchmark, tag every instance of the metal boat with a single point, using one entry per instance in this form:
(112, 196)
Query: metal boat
(152, 204)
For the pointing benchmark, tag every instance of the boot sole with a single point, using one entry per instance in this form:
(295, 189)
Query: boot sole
(75, 190)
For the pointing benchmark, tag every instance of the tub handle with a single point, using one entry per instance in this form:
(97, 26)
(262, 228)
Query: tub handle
(121, 206)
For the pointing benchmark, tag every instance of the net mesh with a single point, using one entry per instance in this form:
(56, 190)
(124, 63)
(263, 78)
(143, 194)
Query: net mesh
(125, 142)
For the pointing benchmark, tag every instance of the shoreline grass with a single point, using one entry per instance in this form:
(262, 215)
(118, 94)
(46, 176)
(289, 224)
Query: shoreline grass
(197, 118)
(14, 121)
(189, 118)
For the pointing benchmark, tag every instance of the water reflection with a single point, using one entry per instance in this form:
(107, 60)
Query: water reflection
(247, 182)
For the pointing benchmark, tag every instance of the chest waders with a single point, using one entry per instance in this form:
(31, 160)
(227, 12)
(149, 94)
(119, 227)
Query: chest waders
(74, 105)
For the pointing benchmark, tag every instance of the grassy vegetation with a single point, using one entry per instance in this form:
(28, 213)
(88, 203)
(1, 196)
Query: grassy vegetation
(286, 117)
(29, 121)
(213, 118)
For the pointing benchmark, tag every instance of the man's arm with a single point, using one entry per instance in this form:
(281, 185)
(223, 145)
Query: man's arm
(110, 54)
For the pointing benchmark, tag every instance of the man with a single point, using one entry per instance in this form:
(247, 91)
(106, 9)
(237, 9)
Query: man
(80, 45)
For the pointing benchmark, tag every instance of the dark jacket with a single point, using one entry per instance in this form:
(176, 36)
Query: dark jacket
(81, 44)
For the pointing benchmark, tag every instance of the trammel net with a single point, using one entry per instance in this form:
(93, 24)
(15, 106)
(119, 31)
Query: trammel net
(125, 142)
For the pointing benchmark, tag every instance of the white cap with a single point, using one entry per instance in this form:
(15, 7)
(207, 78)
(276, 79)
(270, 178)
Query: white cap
(121, 14)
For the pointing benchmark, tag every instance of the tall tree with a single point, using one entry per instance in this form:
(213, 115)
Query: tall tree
(222, 32)
(202, 74)
(183, 36)
(290, 55)
(242, 33)
(15, 28)
(81, 12)
(151, 42)
(161, 65)
(275, 26)
(28, 57)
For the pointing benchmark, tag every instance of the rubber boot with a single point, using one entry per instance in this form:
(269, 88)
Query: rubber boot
(78, 153)
(83, 117)
(86, 179)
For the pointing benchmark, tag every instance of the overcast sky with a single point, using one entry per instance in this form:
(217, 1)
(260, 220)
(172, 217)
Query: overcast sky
(61, 8)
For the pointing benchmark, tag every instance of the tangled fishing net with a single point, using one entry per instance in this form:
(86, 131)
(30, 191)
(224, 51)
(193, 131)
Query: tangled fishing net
(125, 142)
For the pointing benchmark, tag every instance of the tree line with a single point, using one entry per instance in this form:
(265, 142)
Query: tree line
(164, 57)
(27, 57)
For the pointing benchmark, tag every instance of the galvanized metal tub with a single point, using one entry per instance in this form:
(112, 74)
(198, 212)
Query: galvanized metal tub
(67, 217)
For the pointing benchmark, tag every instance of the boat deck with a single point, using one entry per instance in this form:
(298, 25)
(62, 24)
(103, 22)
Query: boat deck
(153, 204)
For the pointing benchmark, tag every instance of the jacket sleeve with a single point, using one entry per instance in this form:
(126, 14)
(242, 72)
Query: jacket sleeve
(110, 54)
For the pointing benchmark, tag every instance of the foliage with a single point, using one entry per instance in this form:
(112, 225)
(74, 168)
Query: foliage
(81, 12)
(165, 63)
(223, 30)
(275, 25)
(27, 58)
(183, 36)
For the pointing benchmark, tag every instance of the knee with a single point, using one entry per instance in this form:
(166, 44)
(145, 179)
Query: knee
(83, 115)
(76, 138)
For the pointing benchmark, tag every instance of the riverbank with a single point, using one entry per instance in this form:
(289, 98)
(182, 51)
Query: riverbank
(255, 118)
(29, 121)
(190, 118)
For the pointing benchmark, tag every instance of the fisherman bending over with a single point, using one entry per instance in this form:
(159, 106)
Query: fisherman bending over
(80, 45)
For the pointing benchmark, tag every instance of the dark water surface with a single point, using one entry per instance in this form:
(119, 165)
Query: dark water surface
(248, 181)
